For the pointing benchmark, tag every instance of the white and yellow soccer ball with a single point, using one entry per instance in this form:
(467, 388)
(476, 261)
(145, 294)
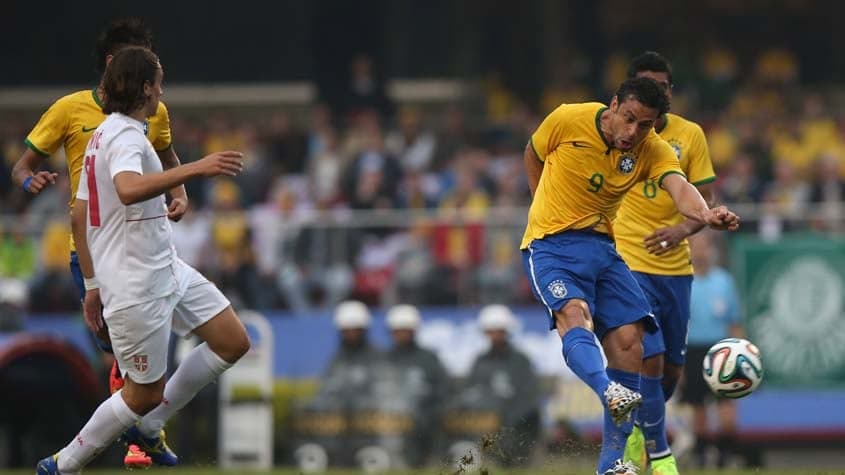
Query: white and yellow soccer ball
(733, 368)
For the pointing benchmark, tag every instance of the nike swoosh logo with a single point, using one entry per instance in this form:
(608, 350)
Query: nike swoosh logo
(658, 421)
(577, 144)
(89, 129)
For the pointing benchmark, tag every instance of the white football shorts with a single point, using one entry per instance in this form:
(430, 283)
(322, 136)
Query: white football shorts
(140, 334)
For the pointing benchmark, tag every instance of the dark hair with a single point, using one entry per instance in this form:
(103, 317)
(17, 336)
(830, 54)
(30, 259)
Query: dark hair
(123, 83)
(650, 61)
(120, 34)
(646, 91)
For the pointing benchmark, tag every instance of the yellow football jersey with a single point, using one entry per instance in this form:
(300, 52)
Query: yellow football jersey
(71, 120)
(647, 208)
(584, 179)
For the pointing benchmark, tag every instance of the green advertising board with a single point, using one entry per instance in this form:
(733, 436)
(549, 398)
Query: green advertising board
(793, 295)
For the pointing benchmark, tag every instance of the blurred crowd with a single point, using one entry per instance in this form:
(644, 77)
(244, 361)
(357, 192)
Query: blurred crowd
(425, 202)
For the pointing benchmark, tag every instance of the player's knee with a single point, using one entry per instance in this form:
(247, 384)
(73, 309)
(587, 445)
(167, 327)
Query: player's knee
(574, 314)
(629, 342)
(625, 342)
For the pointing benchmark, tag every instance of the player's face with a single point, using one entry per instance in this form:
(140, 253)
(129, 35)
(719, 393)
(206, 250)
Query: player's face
(630, 122)
(661, 78)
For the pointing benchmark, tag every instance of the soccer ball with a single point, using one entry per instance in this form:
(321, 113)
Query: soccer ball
(733, 368)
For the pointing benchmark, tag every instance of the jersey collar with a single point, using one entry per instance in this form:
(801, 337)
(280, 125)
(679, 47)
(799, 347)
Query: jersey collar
(96, 97)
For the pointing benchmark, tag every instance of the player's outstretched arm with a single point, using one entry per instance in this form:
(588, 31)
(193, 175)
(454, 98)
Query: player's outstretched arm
(533, 167)
(178, 195)
(691, 204)
(24, 174)
(133, 187)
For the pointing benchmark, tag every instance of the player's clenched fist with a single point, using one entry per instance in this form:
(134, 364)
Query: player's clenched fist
(221, 163)
(39, 181)
(722, 218)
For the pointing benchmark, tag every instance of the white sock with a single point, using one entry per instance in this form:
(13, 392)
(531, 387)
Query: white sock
(199, 368)
(110, 420)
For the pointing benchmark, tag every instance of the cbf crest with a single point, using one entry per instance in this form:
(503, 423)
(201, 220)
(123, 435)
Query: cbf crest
(676, 146)
(626, 164)
(558, 289)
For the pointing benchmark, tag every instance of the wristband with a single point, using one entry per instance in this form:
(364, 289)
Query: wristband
(90, 284)
(26, 183)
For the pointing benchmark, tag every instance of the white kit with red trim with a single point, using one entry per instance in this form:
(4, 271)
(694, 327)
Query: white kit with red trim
(131, 246)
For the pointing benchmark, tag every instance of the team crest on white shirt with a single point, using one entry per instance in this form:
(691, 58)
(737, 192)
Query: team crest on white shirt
(626, 164)
(558, 289)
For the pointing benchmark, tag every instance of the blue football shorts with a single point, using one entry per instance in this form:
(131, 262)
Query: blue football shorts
(585, 265)
(669, 297)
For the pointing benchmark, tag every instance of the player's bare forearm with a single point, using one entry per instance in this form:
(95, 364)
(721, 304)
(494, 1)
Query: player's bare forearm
(26, 168)
(133, 187)
(708, 192)
(78, 225)
(664, 240)
(533, 168)
(688, 200)
(169, 160)
(691, 226)
(691, 204)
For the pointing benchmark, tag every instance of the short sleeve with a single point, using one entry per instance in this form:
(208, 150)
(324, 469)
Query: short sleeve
(50, 131)
(663, 160)
(162, 140)
(82, 188)
(126, 152)
(699, 166)
(549, 134)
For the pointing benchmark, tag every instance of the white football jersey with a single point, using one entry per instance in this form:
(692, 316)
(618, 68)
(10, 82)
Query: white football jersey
(130, 245)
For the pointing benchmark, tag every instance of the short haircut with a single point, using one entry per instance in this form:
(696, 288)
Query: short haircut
(646, 91)
(650, 61)
(120, 34)
(123, 83)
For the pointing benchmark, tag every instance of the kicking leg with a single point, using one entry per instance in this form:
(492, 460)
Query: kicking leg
(623, 348)
(225, 341)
